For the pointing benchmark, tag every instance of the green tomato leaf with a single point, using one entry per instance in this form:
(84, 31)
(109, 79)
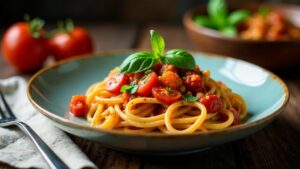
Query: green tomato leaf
(157, 43)
(132, 88)
(238, 16)
(204, 21)
(229, 31)
(190, 98)
(217, 11)
(138, 62)
(180, 58)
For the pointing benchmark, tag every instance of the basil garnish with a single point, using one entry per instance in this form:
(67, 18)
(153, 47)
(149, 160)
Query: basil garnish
(190, 98)
(180, 58)
(157, 44)
(131, 88)
(142, 61)
(168, 89)
(138, 62)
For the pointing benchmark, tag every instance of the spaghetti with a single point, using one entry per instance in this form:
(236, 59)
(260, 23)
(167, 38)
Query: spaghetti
(110, 111)
(149, 93)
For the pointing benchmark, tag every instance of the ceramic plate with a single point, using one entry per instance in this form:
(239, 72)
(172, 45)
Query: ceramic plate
(50, 91)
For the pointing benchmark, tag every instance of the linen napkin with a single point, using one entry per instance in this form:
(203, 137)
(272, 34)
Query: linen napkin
(17, 150)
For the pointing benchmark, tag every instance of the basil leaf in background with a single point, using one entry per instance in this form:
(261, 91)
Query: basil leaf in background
(138, 62)
(190, 98)
(229, 31)
(204, 21)
(157, 44)
(180, 58)
(263, 10)
(238, 16)
(132, 88)
(217, 11)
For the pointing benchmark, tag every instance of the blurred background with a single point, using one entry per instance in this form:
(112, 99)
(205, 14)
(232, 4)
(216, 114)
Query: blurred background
(114, 24)
(133, 11)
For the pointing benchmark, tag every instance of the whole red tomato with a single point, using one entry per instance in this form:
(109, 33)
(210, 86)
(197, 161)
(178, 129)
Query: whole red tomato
(23, 49)
(71, 43)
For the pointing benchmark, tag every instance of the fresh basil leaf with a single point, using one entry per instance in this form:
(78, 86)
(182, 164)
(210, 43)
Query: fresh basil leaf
(132, 88)
(190, 98)
(238, 16)
(168, 89)
(263, 10)
(138, 62)
(204, 21)
(180, 58)
(148, 71)
(229, 31)
(217, 11)
(125, 88)
(157, 43)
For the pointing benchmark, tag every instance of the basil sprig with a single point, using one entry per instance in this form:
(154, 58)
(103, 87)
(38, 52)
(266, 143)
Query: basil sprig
(180, 58)
(220, 19)
(141, 61)
(138, 62)
(190, 98)
(131, 88)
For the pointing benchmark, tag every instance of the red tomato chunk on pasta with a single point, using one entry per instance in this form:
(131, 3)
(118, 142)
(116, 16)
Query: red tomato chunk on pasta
(115, 83)
(170, 79)
(167, 97)
(212, 103)
(146, 84)
(78, 106)
(193, 82)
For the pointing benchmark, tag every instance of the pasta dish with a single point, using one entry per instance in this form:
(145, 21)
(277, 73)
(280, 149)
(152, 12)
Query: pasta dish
(159, 92)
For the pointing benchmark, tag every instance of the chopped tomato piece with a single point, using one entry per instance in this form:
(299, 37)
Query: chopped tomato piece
(193, 82)
(115, 83)
(212, 103)
(170, 79)
(165, 96)
(146, 84)
(126, 97)
(78, 106)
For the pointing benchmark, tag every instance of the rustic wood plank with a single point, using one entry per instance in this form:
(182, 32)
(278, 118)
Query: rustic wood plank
(218, 157)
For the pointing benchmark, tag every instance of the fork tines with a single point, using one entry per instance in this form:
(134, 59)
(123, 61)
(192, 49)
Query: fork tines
(10, 114)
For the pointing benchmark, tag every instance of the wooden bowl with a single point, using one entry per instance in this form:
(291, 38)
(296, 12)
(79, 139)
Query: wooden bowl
(273, 55)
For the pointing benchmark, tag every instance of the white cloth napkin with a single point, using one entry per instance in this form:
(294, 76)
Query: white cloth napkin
(17, 150)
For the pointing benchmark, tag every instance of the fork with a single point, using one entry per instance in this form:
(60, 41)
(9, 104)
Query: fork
(9, 119)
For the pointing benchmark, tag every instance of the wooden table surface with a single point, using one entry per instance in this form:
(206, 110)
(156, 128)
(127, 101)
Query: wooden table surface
(276, 146)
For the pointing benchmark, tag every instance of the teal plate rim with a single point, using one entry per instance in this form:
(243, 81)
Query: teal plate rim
(73, 124)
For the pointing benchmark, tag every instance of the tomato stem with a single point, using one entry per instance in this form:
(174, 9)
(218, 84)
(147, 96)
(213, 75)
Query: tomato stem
(67, 26)
(35, 26)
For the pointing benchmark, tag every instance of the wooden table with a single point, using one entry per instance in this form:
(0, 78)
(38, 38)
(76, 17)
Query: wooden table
(276, 146)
